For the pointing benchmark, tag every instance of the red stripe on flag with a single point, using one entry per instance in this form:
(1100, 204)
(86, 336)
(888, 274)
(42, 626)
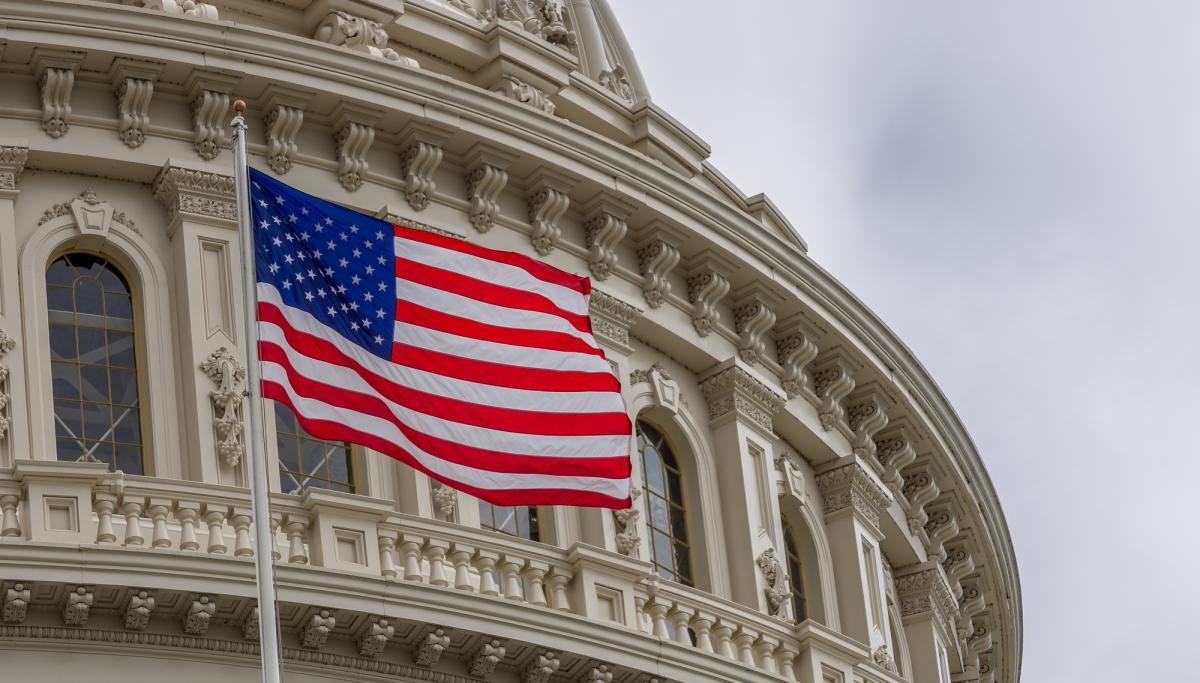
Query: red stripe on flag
(409, 312)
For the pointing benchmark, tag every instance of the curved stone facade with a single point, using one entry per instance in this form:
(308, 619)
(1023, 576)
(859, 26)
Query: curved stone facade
(825, 514)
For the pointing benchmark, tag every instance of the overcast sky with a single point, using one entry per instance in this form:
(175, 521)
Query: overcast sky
(1014, 187)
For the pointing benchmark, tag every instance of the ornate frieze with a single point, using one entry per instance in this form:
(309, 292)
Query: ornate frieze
(228, 373)
(923, 591)
(658, 254)
(196, 193)
(55, 70)
(355, 132)
(486, 178)
(852, 486)
(184, 8)
(833, 380)
(12, 163)
(359, 34)
(515, 89)
(604, 228)
(541, 667)
(482, 662)
(777, 587)
(753, 317)
(611, 318)
(375, 636)
(430, 648)
(547, 202)
(733, 391)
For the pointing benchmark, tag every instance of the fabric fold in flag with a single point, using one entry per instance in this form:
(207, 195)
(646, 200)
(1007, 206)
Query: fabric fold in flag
(475, 366)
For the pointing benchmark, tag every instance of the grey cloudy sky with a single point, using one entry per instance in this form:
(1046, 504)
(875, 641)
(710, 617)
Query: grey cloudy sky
(1015, 188)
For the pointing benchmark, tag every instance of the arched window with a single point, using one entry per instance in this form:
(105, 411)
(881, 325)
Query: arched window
(306, 462)
(666, 514)
(520, 521)
(795, 568)
(93, 363)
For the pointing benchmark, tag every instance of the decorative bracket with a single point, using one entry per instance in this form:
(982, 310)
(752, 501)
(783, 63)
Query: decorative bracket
(138, 610)
(707, 283)
(16, 603)
(894, 450)
(355, 128)
(796, 347)
(421, 155)
(285, 116)
(430, 648)
(486, 178)
(604, 229)
(228, 373)
(548, 201)
(317, 629)
(209, 94)
(485, 658)
(941, 526)
(199, 615)
(753, 317)
(833, 380)
(541, 667)
(79, 605)
(866, 414)
(658, 254)
(134, 82)
(55, 70)
(920, 487)
(375, 636)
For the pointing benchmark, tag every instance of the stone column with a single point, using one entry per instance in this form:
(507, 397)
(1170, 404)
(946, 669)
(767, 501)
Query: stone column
(202, 227)
(927, 609)
(14, 427)
(740, 410)
(854, 499)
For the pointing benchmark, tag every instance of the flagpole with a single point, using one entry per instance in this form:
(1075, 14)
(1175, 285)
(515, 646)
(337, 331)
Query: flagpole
(268, 628)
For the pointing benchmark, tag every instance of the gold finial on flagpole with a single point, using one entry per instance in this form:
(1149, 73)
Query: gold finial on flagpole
(239, 106)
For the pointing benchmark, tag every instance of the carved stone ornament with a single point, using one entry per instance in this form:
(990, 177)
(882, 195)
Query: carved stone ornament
(12, 163)
(611, 318)
(57, 84)
(706, 289)
(603, 231)
(833, 380)
(925, 592)
(941, 526)
(483, 661)
(361, 35)
(647, 375)
(733, 391)
(375, 637)
(138, 610)
(598, 672)
(185, 8)
(656, 259)
(209, 111)
(7, 344)
(250, 626)
(894, 451)
(883, 658)
(851, 486)
(353, 140)
(515, 89)
(199, 615)
(316, 631)
(544, 18)
(753, 318)
(971, 604)
(133, 110)
(282, 126)
(616, 81)
(418, 162)
(16, 603)
(629, 543)
(795, 351)
(93, 216)
(546, 206)
(430, 648)
(198, 193)
(485, 182)
(445, 499)
(920, 487)
(959, 563)
(866, 414)
(543, 665)
(228, 373)
(79, 605)
(777, 589)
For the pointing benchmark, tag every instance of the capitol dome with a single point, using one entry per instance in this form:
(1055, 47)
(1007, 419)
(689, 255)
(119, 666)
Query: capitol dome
(808, 507)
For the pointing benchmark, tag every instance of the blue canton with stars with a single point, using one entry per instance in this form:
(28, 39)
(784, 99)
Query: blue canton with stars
(334, 263)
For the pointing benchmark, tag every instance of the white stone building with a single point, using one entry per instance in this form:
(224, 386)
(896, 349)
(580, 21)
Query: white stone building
(811, 508)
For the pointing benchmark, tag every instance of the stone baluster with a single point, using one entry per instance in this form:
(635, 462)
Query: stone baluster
(535, 583)
(723, 635)
(410, 554)
(105, 504)
(559, 600)
(435, 553)
(510, 576)
(764, 653)
(296, 526)
(657, 609)
(387, 554)
(702, 625)
(276, 522)
(644, 623)
(743, 642)
(680, 616)
(214, 517)
(187, 513)
(10, 525)
(460, 556)
(785, 661)
(485, 561)
(158, 511)
(241, 540)
(132, 511)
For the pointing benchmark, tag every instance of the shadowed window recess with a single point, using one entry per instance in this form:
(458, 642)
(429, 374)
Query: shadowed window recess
(306, 462)
(93, 363)
(795, 570)
(520, 521)
(666, 514)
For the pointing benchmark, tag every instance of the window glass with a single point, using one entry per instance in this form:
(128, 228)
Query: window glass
(306, 462)
(520, 521)
(93, 366)
(795, 570)
(665, 512)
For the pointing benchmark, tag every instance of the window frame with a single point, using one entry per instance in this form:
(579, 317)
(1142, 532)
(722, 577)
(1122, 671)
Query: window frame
(537, 524)
(353, 460)
(684, 504)
(797, 579)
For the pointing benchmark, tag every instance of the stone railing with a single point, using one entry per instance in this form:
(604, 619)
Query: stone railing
(83, 504)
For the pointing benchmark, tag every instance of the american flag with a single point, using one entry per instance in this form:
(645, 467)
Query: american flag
(475, 366)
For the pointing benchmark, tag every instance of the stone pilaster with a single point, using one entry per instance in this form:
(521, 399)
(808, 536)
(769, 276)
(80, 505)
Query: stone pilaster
(14, 427)
(928, 611)
(202, 227)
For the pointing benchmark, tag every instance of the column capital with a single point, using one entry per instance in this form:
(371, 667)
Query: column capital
(734, 392)
(199, 195)
(13, 155)
(924, 592)
(612, 319)
(853, 486)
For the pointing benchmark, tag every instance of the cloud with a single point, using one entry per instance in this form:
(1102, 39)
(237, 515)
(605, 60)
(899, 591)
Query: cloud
(1013, 187)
